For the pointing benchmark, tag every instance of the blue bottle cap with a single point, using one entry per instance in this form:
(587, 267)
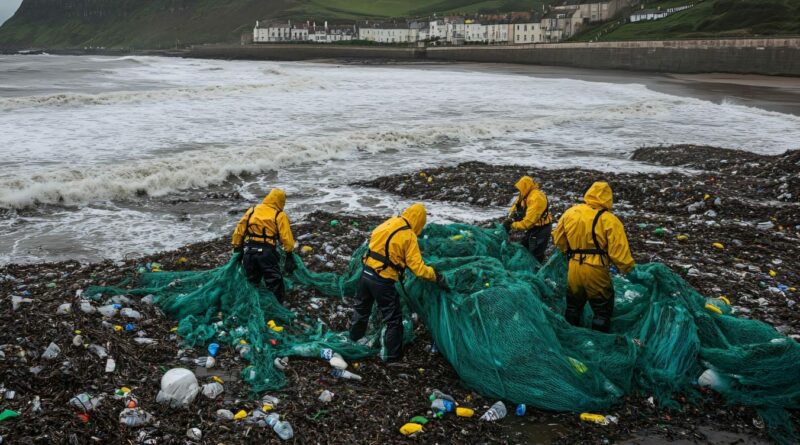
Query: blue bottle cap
(213, 348)
(130, 327)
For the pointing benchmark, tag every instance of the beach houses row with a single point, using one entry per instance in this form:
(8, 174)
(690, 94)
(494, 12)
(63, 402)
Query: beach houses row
(562, 21)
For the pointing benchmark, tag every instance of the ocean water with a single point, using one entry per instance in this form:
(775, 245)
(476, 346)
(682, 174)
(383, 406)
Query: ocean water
(106, 157)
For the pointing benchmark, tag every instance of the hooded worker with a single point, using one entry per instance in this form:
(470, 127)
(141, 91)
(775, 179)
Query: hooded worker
(257, 236)
(531, 214)
(393, 247)
(593, 239)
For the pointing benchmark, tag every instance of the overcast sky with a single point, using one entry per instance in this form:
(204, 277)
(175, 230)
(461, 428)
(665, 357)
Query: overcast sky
(8, 8)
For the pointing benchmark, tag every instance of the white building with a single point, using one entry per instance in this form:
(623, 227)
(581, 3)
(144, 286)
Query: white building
(455, 28)
(474, 32)
(437, 30)
(388, 33)
(524, 33)
(271, 32)
(656, 14)
(499, 33)
(299, 33)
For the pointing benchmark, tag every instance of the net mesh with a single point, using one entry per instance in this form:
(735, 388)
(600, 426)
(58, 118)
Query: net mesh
(502, 329)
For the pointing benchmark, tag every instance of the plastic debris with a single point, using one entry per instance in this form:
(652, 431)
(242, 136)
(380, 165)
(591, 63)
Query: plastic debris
(326, 396)
(111, 365)
(51, 352)
(333, 358)
(495, 413)
(178, 388)
(598, 418)
(419, 419)
(718, 246)
(224, 414)
(17, 301)
(271, 324)
(85, 402)
(410, 429)
(194, 434)
(520, 411)
(282, 428)
(213, 349)
(464, 412)
(130, 313)
(212, 390)
(281, 363)
(241, 414)
(135, 417)
(343, 374)
(8, 414)
(64, 309)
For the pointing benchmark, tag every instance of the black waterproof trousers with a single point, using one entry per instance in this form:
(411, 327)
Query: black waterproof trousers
(536, 241)
(262, 262)
(603, 309)
(373, 288)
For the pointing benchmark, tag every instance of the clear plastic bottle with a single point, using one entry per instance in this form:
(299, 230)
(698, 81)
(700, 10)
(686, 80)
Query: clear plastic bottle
(436, 394)
(282, 429)
(134, 417)
(495, 413)
(342, 374)
(442, 406)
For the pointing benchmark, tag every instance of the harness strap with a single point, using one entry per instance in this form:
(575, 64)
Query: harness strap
(248, 235)
(385, 258)
(519, 208)
(582, 253)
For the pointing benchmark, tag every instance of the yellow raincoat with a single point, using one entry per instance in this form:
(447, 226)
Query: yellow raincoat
(403, 249)
(588, 272)
(533, 202)
(268, 223)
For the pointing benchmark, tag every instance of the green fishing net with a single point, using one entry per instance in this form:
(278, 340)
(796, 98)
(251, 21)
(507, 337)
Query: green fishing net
(502, 329)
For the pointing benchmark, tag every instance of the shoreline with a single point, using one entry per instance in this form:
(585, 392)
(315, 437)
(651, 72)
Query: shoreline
(646, 202)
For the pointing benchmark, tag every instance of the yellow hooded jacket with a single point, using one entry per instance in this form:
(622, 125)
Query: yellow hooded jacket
(574, 230)
(533, 202)
(403, 248)
(266, 223)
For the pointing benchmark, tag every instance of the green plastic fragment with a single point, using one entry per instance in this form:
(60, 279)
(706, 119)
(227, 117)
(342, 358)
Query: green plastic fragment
(8, 414)
(419, 419)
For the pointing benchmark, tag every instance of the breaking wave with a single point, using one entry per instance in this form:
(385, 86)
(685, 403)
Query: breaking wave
(117, 97)
(159, 177)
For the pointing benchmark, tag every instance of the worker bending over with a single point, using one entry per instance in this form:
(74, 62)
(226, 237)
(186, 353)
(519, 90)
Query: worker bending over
(531, 214)
(257, 236)
(393, 247)
(592, 238)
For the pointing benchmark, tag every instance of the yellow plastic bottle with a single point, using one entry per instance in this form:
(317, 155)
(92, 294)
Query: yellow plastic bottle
(240, 415)
(464, 412)
(596, 418)
(410, 428)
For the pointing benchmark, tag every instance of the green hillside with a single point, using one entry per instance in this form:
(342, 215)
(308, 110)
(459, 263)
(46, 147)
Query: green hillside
(707, 19)
(167, 23)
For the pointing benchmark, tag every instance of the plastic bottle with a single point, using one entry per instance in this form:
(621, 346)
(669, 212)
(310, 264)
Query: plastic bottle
(108, 310)
(224, 414)
(342, 374)
(98, 350)
(270, 400)
(134, 417)
(130, 313)
(464, 412)
(212, 390)
(442, 406)
(436, 394)
(36, 405)
(282, 429)
(598, 418)
(205, 362)
(495, 413)
(144, 340)
(85, 402)
(410, 429)
(333, 358)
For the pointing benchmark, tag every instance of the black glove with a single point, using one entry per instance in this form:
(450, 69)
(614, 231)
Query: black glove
(507, 224)
(441, 281)
(289, 265)
(237, 249)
